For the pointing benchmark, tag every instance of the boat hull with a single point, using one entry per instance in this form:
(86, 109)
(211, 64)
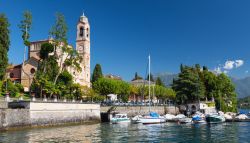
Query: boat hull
(119, 121)
(151, 120)
(215, 119)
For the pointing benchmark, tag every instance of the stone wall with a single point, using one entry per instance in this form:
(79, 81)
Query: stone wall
(3, 104)
(40, 114)
(57, 113)
(14, 118)
(136, 110)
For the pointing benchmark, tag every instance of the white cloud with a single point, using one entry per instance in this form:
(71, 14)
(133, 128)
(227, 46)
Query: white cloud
(229, 65)
(218, 70)
(246, 71)
(225, 71)
(238, 63)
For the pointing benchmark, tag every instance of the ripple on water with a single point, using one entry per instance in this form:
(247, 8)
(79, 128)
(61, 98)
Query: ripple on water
(104, 132)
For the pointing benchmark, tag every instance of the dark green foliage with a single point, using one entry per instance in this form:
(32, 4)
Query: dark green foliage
(159, 82)
(137, 77)
(4, 44)
(66, 78)
(188, 86)
(194, 84)
(25, 27)
(244, 102)
(226, 96)
(151, 77)
(46, 48)
(97, 73)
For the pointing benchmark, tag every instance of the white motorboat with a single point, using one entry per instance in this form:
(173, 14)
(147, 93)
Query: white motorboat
(215, 118)
(136, 119)
(185, 120)
(120, 118)
(179, 116)
(169, 117)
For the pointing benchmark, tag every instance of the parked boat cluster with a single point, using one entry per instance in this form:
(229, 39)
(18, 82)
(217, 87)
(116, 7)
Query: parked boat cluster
(197, 118)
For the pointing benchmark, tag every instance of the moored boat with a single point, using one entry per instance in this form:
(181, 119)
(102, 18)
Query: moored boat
(152, 118)
(198, 119)
(185, 121)
(215, 118)
(136, 119)
(120, 118)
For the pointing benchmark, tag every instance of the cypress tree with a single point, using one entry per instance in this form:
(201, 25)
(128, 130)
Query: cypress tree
(4, 44)
(136, 77)
(97, 73)
(159, 82)
(151, 77)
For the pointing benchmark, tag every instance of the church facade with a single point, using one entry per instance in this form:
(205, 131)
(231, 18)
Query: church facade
(24, 73)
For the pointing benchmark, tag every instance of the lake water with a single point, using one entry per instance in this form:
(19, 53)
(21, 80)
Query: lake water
(105, 132)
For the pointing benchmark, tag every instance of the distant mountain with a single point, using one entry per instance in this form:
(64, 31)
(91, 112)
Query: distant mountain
(242, 85)
(167, 78)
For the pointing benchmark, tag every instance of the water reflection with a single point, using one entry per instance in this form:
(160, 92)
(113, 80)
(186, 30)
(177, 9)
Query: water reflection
(105, 132)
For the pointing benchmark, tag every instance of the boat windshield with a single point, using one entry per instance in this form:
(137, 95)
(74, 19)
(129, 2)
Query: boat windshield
(120, 116)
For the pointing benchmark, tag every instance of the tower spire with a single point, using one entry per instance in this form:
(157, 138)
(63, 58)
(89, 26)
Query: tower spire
(83, 13)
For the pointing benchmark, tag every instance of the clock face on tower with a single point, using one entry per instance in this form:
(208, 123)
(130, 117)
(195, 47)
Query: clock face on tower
(80, 49)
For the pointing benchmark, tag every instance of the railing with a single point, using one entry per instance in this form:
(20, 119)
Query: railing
(46, 100)
(131, 104)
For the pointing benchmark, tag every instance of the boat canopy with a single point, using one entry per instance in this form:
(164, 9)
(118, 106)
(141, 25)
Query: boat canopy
(196, 118)
(154, 114)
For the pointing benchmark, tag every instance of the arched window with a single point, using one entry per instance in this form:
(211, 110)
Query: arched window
(11, 75)
(87, 32)
(81, 31)
(32, 70)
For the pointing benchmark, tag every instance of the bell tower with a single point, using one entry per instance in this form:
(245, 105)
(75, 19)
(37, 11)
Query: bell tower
(83, 48)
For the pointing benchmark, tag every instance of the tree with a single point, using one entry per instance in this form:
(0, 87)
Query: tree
(13, 89)
(226, 99)
(4, 44)
(46, 49)
(105, 86)
(61, 48)
(159, 82)
(25, 27)
(137, 77)
(195, 84)
(151, 77)
(188, 86)
(97, 73)
(64, 54)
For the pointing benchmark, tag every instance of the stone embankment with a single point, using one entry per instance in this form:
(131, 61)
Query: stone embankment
(131, 111)
(46, 114)
(136, 110)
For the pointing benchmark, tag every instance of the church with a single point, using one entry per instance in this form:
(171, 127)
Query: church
(24, 73)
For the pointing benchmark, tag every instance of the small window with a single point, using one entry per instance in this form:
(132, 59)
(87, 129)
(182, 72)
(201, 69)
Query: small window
(81, 31)
(32, 70)
(11, 75)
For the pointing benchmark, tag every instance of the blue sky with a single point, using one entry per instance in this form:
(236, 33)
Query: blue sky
(123, 32)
